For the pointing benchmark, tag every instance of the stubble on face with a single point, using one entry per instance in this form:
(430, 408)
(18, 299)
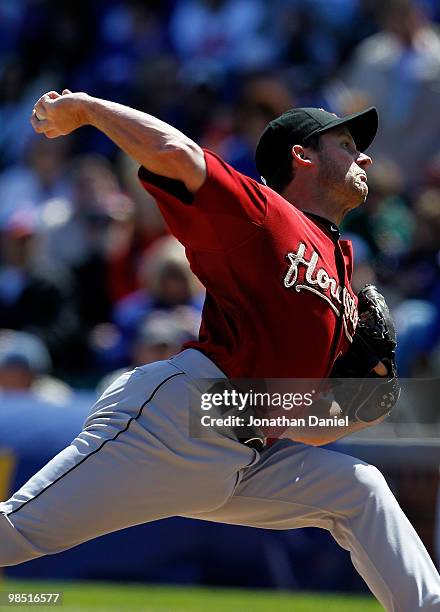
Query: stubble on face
(340, 178)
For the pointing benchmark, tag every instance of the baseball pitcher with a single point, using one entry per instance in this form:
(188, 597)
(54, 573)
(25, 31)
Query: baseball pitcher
(279, 304)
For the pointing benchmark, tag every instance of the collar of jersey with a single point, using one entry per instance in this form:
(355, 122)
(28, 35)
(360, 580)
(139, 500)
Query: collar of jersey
(331, 228)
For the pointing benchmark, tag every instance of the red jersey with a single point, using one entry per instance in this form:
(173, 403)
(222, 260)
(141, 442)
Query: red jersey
(278, 297)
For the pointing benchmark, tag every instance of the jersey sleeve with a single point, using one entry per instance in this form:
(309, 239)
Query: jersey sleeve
(226, 211)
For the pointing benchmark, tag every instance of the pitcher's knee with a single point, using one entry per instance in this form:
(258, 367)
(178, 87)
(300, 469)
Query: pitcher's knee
(15, 548)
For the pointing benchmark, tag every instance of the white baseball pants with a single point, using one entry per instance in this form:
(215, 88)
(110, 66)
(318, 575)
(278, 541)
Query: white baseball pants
(134, 462)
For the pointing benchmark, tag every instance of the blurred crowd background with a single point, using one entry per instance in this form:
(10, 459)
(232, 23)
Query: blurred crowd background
(91, 282)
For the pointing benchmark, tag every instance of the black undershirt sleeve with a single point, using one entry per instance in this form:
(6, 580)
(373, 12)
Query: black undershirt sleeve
(174, 187)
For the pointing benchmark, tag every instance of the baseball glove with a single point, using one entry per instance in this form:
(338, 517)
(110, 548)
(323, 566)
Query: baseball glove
(362, 394)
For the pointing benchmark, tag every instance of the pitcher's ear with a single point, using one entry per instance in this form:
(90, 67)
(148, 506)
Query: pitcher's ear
(300, 156)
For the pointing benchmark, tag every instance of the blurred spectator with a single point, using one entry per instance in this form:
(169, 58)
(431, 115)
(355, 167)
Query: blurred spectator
(167, 286)
(166, 282)
(25, 365)
(73, 224)
(318, 36)
(418, 329)
(149, 220)
(398, 70)
(233, 132)
(17, 96)
(56, 36)
(162, 335)
(215, 36)
(90, 233)
(42, 177)
(36, 295)
(418, 270)
(128, 32)
(385, 221)
(159, 337)
(160, 90)
(363, 270)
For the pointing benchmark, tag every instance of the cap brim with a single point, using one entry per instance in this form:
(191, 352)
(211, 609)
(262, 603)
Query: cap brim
(362, 126)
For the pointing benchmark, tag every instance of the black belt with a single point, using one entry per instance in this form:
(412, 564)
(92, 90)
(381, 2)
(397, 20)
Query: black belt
(246, 434)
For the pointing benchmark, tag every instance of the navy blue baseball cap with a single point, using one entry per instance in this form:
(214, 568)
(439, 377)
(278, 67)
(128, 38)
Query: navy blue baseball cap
(297, 125)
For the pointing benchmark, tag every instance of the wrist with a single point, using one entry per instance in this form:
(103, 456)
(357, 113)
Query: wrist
(84, 109)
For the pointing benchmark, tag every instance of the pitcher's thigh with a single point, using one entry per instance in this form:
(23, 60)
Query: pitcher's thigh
(295, 485)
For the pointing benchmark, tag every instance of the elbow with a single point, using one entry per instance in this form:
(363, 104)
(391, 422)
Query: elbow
(184, 161)
(177, 154)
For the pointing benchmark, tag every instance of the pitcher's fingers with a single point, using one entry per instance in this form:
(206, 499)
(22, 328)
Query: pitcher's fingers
(52, 134)
(40, 109)
(66, 91)
(50, 95)
(39, 125)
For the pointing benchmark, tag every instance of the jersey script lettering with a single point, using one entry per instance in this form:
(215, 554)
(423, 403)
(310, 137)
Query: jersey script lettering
(321, 283)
